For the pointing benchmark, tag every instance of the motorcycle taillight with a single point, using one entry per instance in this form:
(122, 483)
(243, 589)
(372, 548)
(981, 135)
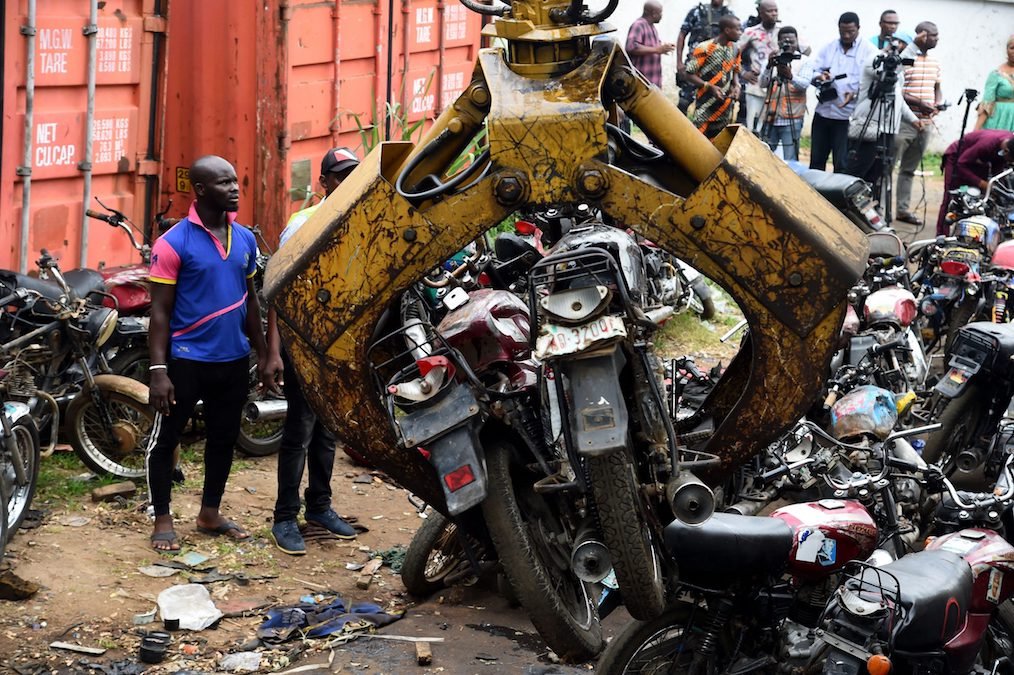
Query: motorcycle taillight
(954, 268)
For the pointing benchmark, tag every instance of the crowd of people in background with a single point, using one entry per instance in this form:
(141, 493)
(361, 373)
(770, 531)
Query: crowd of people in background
(876, 98)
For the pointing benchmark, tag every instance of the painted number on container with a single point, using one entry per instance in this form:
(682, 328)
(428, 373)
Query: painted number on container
(182, 179)
(424, 25)
(455, 22)
(110, 136)
(54, 47)
(49, 151)
(453, 85)
(115, 46)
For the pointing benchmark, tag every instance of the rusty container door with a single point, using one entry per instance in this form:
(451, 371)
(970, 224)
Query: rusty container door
(128, 69)
(272, 86)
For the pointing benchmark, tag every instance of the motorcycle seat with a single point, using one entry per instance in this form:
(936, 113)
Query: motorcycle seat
(934, 590)
(729, 545)
(836, 188)
(81, 282)
(84, 281)
(1002, 334)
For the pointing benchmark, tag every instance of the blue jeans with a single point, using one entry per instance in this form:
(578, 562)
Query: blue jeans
(787, 137)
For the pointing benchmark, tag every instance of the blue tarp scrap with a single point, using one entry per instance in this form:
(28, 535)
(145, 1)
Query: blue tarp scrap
(321, 620)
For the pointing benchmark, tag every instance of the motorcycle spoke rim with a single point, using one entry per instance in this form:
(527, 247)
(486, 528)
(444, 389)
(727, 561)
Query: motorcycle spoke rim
(19, 494)
(95, 435)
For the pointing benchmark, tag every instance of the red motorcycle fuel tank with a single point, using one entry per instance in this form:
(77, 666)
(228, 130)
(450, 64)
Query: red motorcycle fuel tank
(1003, 257)
(894, 305)
(992, 562)
(828, 534)
(129, 285)
(493, 326)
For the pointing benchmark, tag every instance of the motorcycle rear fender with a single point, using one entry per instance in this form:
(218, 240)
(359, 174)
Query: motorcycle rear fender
(597, 411)
(15, 410)
(122, 385)
(451, 452)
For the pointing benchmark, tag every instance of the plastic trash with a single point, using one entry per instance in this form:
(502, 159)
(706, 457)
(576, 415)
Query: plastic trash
(241, 662)
(191, 604)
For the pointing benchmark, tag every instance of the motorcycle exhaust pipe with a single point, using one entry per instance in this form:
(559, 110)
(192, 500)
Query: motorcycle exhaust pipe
(263, 411)
(752, 507)
(659, 315)
(969, 459)
(590, 559)
(691, 500)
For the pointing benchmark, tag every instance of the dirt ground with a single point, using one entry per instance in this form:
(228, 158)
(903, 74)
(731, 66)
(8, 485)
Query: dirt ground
(86, 558)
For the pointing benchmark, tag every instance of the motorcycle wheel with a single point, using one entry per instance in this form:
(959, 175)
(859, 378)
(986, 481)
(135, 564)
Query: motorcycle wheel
(434, 554)
(627, 536)
(666, 644)
(19, 495)
(132, 363)
(999, 639)
(259, 438)
(4, 532)
(119, 451)
(960, 314)
(959, 419)
(703, 294)
(526, 535)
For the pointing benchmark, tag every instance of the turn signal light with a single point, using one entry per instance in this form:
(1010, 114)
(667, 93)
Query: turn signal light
(459, 478)
(878, 664)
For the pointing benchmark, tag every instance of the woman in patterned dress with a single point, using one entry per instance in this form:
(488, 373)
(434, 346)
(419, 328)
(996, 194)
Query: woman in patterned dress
(997, 108)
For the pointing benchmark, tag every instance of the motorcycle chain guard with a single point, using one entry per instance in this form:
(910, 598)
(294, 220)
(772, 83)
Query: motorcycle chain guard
(730, 209)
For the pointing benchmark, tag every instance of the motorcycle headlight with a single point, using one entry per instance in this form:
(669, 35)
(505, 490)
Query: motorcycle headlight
(102, 324)
(575, 305)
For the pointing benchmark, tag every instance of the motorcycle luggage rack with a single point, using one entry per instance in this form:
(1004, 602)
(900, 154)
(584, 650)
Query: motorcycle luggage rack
(864, 585)
(566, 269)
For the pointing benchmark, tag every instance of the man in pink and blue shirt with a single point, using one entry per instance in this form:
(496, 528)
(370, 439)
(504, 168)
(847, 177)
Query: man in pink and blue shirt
(204, 318)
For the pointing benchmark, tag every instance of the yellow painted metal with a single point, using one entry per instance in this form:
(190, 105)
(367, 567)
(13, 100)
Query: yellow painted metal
(786, 256)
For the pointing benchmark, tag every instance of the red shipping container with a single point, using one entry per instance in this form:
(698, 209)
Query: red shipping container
(270, 86)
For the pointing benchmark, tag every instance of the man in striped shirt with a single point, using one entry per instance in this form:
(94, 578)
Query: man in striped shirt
(922, 94)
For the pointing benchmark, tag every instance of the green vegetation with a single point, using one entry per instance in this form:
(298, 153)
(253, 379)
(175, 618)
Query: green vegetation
(58, 482)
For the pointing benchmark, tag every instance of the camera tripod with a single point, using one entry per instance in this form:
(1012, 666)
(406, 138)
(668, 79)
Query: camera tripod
(773, 101)
(882, 113)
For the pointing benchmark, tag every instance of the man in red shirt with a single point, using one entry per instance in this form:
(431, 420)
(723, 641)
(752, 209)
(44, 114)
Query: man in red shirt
(983, 154)
(643, 46)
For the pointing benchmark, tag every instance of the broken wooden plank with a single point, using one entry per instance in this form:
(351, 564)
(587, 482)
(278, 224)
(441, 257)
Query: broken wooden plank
(366, 575)
(70, 647)
(109, 493)
(423, 653)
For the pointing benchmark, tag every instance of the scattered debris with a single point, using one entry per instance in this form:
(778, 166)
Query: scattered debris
(34, 518)
(393, 557)
(191, 604)
(354, 567)
(145, 618)
(157, 571)
(423, 653)
(366, 575)
(363, 479)
(482, 656)
(13, 587)
(241, 606)
(70, 647)
(241, 662)
(193, 558)
(322, 620)
(109, 493)
(74, 521)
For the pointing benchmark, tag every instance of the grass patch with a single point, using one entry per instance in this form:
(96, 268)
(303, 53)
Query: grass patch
(686, 334)
(58, 482)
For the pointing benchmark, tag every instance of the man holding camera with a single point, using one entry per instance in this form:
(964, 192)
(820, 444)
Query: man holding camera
(757, 44)
(835, 73)
(922, 94)
(785, 105)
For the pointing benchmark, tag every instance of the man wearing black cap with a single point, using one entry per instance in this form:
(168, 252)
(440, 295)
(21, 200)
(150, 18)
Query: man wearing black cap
(305, 441)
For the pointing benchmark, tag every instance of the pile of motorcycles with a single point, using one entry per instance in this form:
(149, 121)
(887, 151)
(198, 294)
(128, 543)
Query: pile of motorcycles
(568, 452)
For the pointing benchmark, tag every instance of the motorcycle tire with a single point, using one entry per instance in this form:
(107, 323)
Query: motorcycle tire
(958, 421)
(132, 363)
(627, 536)
(19, 496)
(665, 644)
(537, 568)
(960, 314)
(704, 296)
(122, 456)
(434, 553)
(4, 532)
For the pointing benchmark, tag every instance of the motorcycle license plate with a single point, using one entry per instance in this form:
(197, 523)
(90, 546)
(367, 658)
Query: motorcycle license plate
(562, 340)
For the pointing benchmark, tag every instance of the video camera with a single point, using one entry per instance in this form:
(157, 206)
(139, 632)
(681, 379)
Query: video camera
(787, 54)
(826, 91)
